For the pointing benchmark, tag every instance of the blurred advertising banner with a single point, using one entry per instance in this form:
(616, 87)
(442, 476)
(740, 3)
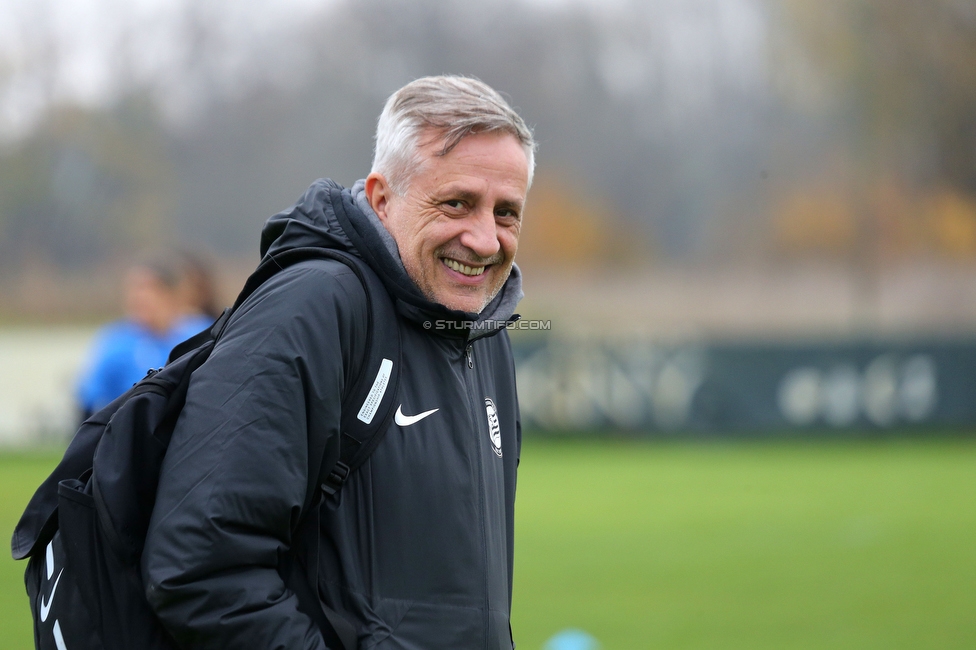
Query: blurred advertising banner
(744, 388)
(638, 385)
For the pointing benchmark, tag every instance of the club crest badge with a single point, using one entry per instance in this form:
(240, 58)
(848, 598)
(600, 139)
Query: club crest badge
(494, 430)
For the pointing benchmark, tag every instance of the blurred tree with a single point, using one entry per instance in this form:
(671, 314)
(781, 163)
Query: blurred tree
(567, 228)
(83, 184)
(952, 217)
(815, 219)
(901, 77)
(657, 104)
(896, 82)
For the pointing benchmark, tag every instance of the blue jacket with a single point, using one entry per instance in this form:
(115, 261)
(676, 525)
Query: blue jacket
(122, 353)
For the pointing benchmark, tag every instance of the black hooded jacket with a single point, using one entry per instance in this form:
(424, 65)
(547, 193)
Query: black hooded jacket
(417, 550)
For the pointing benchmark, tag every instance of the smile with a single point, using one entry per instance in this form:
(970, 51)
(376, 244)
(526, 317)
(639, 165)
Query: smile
(462, 268)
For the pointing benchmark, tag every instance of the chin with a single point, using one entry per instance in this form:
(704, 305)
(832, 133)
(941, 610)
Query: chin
(463, 303)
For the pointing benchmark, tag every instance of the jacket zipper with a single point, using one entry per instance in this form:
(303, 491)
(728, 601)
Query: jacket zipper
(472, 383)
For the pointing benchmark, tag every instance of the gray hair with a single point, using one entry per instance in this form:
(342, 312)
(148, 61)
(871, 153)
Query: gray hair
(453, 106)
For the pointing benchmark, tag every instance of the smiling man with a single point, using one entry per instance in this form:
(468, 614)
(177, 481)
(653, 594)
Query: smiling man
(457, 224)
(414, 547)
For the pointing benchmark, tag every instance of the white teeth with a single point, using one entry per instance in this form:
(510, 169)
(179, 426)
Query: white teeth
(461, 268)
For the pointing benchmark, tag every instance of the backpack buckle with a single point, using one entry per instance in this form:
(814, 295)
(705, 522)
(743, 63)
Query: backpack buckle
(335, 479)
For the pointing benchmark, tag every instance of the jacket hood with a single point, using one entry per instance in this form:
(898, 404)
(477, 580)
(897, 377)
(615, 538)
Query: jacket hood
(330, 216)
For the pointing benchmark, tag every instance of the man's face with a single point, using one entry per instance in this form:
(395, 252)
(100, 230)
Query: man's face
(457, 225)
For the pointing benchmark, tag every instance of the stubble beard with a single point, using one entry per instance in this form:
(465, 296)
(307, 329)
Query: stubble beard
(426, 285)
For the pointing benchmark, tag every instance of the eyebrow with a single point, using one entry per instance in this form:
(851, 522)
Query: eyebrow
(465, 195)
(472, 197)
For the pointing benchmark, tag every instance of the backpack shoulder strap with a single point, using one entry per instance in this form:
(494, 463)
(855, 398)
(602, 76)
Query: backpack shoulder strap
(367, 409)
(367, 403)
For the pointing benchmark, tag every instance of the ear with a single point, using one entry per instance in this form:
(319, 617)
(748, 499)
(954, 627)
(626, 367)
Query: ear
(378, 193)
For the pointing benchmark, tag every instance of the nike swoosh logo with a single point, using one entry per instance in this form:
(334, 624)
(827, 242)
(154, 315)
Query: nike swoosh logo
(46, 607)
(406, 420)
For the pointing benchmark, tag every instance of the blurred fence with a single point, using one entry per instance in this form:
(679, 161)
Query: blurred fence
(786, 388)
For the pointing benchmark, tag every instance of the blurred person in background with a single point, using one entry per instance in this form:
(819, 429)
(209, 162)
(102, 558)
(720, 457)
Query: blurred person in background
(197, 286)
(166, 300)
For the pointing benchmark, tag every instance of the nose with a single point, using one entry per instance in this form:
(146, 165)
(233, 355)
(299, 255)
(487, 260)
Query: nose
(480, 234)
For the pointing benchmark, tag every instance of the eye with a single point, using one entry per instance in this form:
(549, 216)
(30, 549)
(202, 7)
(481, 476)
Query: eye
(454, 204)
(507, 214)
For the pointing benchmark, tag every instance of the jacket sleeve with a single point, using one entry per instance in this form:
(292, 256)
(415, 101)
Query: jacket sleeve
(234, 478)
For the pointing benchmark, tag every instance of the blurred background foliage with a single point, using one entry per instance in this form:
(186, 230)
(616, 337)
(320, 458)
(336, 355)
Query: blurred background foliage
(704, 137)
(708, 169)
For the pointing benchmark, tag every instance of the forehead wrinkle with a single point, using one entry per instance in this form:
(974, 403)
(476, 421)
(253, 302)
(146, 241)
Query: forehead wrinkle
(457, 190)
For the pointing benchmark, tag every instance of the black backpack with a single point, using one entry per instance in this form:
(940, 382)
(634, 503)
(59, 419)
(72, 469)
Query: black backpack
(85, 527)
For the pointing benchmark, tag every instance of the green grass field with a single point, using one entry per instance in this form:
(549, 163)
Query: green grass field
(718, 545)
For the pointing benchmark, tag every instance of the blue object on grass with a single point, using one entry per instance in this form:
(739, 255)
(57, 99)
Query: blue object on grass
(572, 640)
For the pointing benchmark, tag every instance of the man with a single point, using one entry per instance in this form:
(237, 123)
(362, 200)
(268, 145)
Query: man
(416, 551)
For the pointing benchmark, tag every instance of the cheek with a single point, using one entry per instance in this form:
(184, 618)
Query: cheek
(417, 254)
(438, 236)
(508, 240)
(405, 238)
(417, 232)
